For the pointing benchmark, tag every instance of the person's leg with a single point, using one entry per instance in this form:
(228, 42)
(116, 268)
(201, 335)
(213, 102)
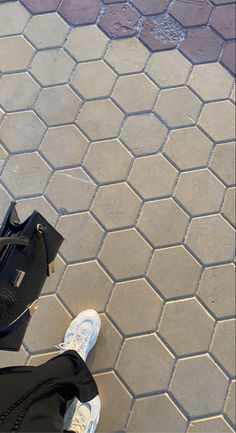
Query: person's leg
(41, 393)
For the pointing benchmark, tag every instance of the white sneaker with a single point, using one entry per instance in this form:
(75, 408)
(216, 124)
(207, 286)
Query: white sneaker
(83, 417)
(82, 333)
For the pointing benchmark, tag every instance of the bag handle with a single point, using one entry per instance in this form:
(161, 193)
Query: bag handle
(21, 240)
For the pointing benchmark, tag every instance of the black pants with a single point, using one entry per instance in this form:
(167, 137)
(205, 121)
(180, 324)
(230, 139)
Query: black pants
(34, 399)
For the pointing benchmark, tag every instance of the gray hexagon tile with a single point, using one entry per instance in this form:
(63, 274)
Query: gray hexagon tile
(78, 190)
(153, 177)
(211, 238)
(52, 67)
(217, 120)
(26, 174)
(15, 54)
(108, 161)
(22, 131)
(228, 209)
(125, 254)
(217, 290)
(223, 347)
(85, 285)
(156, 413)
(143, 134)
(87, 74)
(82, 236)
(13, 18)
(186, 327)
(174, 272)
(204, 185)
(199, 386)
(188, 148)
(57, 105)
(116, 402)
(222, 162)
(46, 31)
(26, 206)
(64, 146)
(229, 410)
(79, 43)
(168, 69)
(163, 222)
(135, 366)
(110, 206)
(135, 298)
(100, 119)
(127, 56)
(26, 88)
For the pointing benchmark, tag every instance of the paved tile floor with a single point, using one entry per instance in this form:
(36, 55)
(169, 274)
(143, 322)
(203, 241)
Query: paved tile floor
(130, 154)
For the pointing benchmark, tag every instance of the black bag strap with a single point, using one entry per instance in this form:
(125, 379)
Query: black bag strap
(21, 240)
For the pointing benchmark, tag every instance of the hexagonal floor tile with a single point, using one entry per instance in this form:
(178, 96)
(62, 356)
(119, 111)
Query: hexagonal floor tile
(150, 7)
(178, 107)
(143, 134)
(80, 13)
(21, 84)
(79, 43)
(199, 386)
(26, 207)
(11, 359)
(52, 67)
(217, 290)
(16, 53)
(223, 162)
(222, 20)
(163, 222)
(116, 403)
(100, 119)
(64, 146)
(201, 45)
(212, 239)
(156, 413)
(46, 31)
(57, 105)
(126, 55)
(210, 425)
(77, 187)
(82, 236)
(219, 83)
(191, 15)
(168, 68)
(37, 7)
(3, 157)
(119, 20)
(125, 253)
(217, 119)
(138, 300)
(188, 148)
(142, 373)
(174, 272)
(223, 347)
(84, 286)
(50, 313)
(204, 185)
(26, 174)
(228, 209)
(153, 176)
(13, 18)
(87, 74)
(186, 327)
(110, 206)
(104, 356)
(22, 131)
(227, 57)
(108, 161)
(229, 410)
(135, 93)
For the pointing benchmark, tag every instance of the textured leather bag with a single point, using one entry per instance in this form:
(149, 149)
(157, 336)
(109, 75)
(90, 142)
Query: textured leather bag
(27, 254)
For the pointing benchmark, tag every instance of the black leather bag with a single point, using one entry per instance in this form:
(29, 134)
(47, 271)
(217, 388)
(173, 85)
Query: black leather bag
(27, 254)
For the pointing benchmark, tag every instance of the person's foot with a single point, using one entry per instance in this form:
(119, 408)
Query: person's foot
(83, 417)
(82, 333)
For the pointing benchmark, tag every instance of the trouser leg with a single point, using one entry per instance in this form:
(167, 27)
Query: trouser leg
(71, 378)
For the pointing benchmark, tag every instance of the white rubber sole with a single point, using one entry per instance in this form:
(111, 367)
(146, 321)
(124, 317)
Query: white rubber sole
(95, 405)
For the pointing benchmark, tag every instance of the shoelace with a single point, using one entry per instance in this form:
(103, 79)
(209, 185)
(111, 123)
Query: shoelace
(77, 343)
(79, 424)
